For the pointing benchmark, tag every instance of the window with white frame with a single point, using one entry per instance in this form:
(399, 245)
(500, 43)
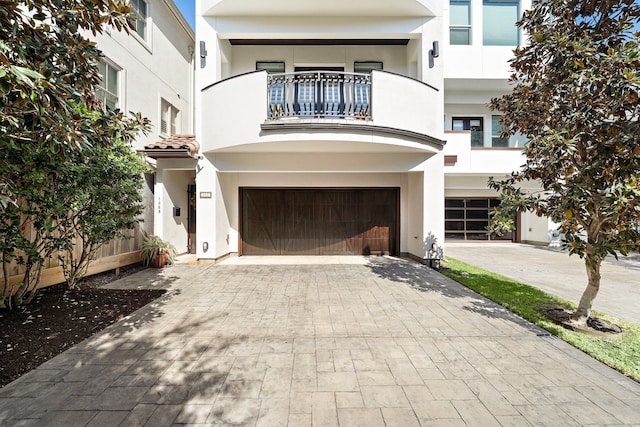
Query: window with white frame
(107, 89)
(499, 22)
(169, 119)
(460, 22)
(139, 12)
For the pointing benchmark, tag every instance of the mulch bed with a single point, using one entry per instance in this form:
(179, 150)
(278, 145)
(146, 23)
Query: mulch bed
(59, 318)
(595, 325)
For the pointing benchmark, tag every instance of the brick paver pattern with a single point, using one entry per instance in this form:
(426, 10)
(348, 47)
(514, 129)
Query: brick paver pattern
(383, 342)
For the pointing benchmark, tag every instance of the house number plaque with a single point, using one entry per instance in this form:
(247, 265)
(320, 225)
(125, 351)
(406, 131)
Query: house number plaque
(205, 194)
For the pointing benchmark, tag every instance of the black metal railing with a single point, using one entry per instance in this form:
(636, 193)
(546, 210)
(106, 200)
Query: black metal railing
(319, 94)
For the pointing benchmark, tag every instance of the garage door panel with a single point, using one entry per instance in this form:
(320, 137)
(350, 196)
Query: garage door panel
(260, 220)
(299, 234)
(319, 221)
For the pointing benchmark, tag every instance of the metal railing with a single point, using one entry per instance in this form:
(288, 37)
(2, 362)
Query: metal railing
(321, 94)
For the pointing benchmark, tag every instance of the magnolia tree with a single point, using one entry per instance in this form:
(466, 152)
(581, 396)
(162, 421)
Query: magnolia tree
(52, 128)
(575, 96)
(46, 67)
(104, 187)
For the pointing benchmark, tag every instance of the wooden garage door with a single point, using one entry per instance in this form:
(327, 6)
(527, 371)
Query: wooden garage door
(319, 221)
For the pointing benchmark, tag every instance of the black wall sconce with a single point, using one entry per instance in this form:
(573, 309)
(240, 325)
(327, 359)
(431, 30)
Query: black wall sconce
(203, 49)
(435, 51)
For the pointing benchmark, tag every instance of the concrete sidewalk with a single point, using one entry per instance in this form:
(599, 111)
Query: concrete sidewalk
(557, 273)
(376, 342)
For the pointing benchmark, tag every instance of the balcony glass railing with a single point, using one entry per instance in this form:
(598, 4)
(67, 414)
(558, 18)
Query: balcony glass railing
(322, 94)
(488, 139)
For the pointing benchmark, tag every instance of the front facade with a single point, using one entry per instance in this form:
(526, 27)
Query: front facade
(348, 127)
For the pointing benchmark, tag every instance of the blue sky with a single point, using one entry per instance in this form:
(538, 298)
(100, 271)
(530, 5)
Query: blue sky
(188, 9)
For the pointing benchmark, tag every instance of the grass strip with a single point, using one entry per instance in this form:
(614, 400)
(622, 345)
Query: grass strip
(620, 351)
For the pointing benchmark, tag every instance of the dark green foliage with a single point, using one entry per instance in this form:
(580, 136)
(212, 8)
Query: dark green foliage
(55, 136)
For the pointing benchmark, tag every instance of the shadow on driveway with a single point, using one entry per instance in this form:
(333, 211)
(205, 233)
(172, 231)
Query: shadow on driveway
(424, 279)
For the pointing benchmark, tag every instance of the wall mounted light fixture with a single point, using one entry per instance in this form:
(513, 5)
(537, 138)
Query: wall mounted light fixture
(435, 51)
(203, 49)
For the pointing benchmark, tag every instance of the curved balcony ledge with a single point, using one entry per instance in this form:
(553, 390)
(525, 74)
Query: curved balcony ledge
(345, 126)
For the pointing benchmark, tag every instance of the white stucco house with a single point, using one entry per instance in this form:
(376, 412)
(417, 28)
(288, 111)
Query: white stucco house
(151, 71)
(337, 127)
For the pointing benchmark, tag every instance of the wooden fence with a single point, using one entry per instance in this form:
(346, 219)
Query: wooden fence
(111, 256)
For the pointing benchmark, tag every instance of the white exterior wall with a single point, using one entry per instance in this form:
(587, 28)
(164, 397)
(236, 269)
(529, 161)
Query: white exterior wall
(172, 179)
(174, 193)
(484, 160)
(477, 61)
(159, 67)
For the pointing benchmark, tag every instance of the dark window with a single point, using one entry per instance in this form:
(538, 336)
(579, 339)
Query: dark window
(366, 66)
(472, 124)
(468, 219)
(319, 68)
(270, 66)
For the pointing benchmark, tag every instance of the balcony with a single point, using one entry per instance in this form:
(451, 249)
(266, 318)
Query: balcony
(471, 159)
(319, 94)
(321, 111)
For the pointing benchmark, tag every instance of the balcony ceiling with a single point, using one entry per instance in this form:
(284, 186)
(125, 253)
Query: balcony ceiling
(409, 8)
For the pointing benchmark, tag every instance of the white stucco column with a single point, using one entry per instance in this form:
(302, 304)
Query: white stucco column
(433, 214)
(415, 216)
(206, 198)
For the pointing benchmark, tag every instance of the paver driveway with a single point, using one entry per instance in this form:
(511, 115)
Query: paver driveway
(367, 342)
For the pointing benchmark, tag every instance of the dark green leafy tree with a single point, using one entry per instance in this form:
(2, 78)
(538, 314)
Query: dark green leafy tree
(576, 97)
(46, 65)
(104, 184)
(49, 115)
(71, 207)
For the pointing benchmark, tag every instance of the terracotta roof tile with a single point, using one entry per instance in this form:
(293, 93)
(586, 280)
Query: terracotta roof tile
(176, 142)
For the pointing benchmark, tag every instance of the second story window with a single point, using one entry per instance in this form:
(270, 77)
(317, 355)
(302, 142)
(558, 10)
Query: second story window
(140, 13)
(473, 124)
(460, 22)
(366, 66)
(169, 119)
(107, 89)
(270, 66)
(499, 23)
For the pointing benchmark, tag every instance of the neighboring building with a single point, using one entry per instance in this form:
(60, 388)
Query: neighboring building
(151, 71)
(481, 37)
(337, 127)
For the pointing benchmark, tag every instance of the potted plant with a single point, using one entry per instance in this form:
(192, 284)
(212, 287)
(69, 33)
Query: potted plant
(157, 252)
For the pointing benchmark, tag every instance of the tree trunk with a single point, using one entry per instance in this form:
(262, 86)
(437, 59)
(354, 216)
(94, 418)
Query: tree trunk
(593, 273)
